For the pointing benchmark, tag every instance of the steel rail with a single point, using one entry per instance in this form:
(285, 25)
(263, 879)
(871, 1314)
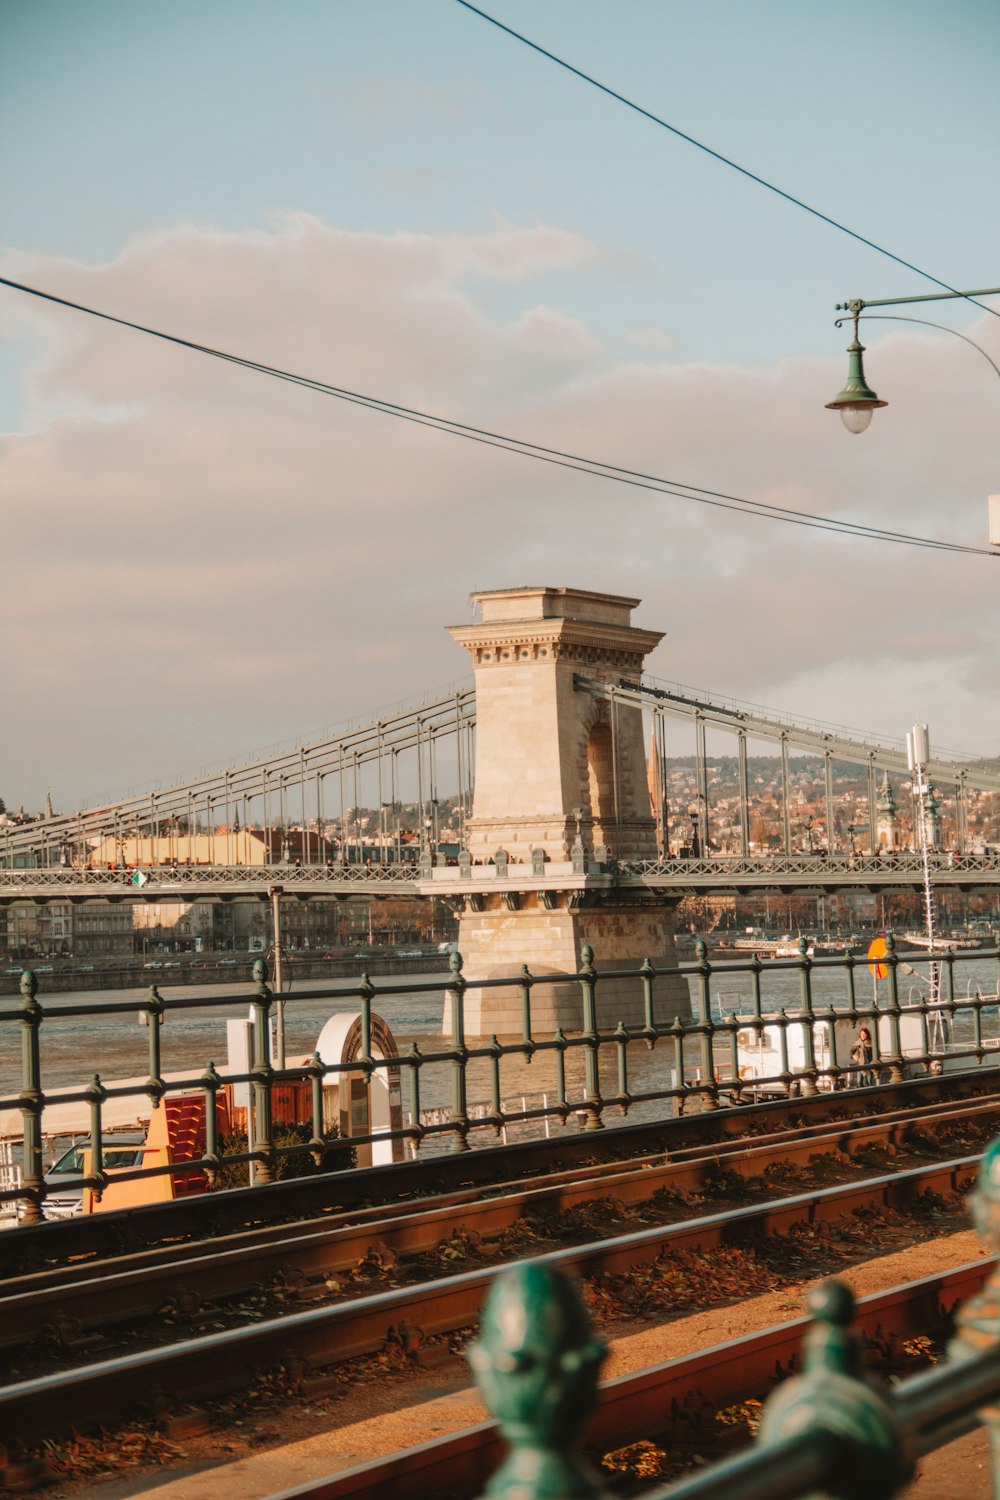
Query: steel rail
(639, 1405)
(321, 1338)
(92, 1296)
(215, 1214)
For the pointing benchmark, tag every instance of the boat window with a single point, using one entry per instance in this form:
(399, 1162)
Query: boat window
(122, 1156)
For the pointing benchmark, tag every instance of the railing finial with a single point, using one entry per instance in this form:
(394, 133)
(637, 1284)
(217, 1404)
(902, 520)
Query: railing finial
(977, 1322)
(536, 1363)
(832, 1399)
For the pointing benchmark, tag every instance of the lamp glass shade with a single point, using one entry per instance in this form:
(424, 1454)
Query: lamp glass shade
(856, 418)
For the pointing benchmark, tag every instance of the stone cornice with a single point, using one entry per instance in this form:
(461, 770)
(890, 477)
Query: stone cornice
(508, 642)
(539, 590)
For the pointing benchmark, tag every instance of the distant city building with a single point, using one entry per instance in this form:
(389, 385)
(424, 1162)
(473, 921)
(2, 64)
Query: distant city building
(932, 821)
(218, 846)
(886, 833)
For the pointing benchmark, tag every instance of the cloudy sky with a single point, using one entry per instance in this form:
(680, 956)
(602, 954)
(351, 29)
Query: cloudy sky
(397, 198)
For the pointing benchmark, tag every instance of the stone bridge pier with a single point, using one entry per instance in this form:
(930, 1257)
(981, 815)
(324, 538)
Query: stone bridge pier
(560, 788)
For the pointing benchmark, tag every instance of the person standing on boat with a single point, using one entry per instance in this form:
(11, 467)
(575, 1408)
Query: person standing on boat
(861, 1053)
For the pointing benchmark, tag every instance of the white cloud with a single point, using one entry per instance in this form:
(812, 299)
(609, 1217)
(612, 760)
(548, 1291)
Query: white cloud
(200, 560)
(650, 336)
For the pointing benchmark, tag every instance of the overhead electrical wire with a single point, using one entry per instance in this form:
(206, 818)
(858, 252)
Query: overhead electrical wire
(521, 446)
(725, 160)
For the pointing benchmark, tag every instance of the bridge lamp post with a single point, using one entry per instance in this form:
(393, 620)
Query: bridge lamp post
(431, 829)
(857, 401)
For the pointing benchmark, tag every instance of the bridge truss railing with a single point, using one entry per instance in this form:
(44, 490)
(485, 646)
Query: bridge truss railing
(318, 787)
(424, 756)
(184, 880)
(957, 779)
(905, 862)
(786, 1031)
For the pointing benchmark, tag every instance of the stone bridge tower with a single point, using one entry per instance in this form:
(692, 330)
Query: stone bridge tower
(560, 791)
(552, 763)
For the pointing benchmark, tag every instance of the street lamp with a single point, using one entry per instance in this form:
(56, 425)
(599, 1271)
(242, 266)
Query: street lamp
(857, 401)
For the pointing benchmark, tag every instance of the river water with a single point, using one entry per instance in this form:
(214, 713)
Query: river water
(116, 1046)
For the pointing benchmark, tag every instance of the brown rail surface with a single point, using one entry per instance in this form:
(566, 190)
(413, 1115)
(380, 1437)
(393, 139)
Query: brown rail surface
(305, 1342)
(99, 1295)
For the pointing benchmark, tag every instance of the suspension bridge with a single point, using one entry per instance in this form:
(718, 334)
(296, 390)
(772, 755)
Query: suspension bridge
(197, 834)
(561, 824)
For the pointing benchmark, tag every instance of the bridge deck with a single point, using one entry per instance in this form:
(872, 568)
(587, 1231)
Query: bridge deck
(673, 877)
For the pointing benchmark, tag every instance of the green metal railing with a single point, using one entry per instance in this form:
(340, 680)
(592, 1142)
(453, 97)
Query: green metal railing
(828, 1431)
(788, 1034)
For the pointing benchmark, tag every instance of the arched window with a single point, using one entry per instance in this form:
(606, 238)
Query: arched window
(601, 774)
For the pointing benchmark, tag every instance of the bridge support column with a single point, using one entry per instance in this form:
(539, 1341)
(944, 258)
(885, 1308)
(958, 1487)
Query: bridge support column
(622, 930)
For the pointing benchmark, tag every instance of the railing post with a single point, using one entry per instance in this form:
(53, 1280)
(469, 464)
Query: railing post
(459, 1100)
(832, 1403)
(894, 1061)
(496, 1103)
(211, 1083)
(317, 1073)
(648, 1024)
(591, 1040)
(624, 1098)
(756, 965)
(536, 1363)
(32, 1101)
(808, 1080)
(416, 1062)
(365, 992)
(559, 1044)
(977, 1322)
(155, 1086)
(259, 1116)
(709, 1091)
(676, 1034)
(528, 1045)
(95, 1093)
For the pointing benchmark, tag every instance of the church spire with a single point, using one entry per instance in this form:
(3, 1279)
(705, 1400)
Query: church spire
(885, 816)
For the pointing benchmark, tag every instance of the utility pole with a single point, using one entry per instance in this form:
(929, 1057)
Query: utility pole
(279, 1009)
(918, 754)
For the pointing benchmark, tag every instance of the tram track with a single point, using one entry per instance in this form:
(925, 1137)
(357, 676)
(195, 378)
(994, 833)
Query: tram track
(77, 1300)
(214, 1215)
(315, 1352)
(310, 1345)
(674, 1402)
